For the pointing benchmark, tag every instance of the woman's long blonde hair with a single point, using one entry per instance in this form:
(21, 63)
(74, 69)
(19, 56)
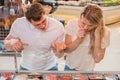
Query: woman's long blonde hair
(94, 15)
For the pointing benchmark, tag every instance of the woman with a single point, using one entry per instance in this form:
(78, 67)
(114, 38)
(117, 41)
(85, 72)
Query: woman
(86, 40)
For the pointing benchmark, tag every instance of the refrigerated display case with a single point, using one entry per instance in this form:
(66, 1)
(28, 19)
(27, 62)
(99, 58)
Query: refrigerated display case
(54, 75)
(58, 75)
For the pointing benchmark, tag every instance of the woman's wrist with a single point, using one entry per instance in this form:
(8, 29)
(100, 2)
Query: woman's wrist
(79, 39)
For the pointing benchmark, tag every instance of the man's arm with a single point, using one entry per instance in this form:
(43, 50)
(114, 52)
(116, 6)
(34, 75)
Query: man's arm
(11, 43)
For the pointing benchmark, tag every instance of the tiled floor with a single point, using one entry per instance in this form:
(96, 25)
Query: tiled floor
(111, 61)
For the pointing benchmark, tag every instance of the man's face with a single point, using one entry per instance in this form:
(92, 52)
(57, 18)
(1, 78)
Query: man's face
(41, 24)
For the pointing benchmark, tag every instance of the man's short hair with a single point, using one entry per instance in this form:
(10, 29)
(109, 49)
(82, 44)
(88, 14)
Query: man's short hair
(35, 12)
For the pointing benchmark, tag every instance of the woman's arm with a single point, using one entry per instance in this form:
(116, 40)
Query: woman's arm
(99, 51)
(72, 45)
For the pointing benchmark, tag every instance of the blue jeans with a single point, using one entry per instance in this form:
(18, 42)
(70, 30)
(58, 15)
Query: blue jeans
(22, 68)
(66, 68)
(55, 68)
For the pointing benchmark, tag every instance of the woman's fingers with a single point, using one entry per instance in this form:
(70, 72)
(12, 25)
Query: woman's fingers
(81, 33)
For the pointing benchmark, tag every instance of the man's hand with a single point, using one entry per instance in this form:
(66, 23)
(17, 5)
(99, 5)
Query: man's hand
(17, 45)
(59, 47)
(14, 44)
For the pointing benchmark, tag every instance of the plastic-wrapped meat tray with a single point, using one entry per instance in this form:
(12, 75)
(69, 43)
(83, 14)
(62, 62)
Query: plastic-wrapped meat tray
(60, 75)
(111, 77)
(6, 76)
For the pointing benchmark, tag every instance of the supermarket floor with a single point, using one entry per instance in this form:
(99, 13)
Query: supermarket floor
(111, 61)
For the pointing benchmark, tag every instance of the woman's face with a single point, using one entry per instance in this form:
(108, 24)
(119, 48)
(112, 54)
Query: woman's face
(86, 24)
(41, 24)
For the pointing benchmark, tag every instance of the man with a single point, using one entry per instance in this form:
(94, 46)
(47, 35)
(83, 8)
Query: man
(33, 35)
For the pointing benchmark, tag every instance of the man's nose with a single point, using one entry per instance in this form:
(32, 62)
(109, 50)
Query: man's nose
(43, 25)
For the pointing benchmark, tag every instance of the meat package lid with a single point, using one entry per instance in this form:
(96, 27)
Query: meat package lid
(57, 77)
(35, 76)
(111, 77)
(20, 77)
(80, 77)
(40, 77)
(118, 76)
(66, 78)
(50, 77)
(96, 77)
(27, 77)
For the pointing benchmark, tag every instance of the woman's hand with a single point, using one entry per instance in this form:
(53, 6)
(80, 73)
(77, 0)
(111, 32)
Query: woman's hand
(81, 33)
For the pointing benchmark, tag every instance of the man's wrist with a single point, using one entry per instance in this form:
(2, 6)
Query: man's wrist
(11, 41)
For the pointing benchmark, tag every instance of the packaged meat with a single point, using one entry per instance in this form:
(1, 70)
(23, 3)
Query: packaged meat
(81, 77)
(96, 77)
(6, 76)
(65, 78)
(50, 77)
(118, 76)
(37, 78)
(110, 77)
(21, 77)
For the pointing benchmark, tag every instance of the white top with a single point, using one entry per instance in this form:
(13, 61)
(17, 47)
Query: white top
(38, 55)
(80, 59)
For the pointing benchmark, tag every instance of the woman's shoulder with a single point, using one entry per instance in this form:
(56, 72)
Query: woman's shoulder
(106, 28)
(73, 20)
(106, 31)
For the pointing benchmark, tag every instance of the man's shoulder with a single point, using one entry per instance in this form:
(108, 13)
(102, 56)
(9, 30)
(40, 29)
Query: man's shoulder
(19, 22)
(53, 21)
(21, 19)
